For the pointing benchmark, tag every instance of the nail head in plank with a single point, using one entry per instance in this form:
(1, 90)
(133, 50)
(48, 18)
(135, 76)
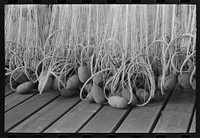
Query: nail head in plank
(140, 119)
(193, 125)
(19, 113)
(177, 113)
(46, 116)
(15, 98)
(105, 120)
(74, 119)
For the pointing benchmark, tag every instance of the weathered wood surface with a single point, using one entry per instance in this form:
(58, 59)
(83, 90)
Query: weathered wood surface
(105, 120)
(7, 90)
(193, 125)
(134, 122)
(73, 120)
(177, 113)
(47, 115)
(14, 99)
(24, 110)
(52, 113)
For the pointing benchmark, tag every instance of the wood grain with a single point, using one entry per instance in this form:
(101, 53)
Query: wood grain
(176, 115)
(193, 125)
(140, 119)
(105, 120)
(21, 112)
(74, 119)
(173, 122)
(46, 116)
(7, 90)
(15, 98)
(182, 100)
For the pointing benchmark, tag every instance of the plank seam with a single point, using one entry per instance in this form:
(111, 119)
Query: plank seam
(14, 125)
(89, 118)
(191, 119)
(9, 93)
(122, 120)
(19, 103)
(160, 112)
(60, 116)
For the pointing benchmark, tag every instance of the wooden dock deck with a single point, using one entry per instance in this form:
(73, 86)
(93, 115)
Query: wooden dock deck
(52, 113)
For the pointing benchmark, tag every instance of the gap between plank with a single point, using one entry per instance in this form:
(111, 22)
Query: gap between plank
(162, 108)
(31, 114)
(60, 116)
(122, 120)
(89, 119)
(20, 102)
(9, 93)
(191, 118)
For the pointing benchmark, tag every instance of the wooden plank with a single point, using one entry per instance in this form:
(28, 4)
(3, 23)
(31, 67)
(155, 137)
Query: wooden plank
(7, 90)
(141, 119)
(177, 113)
(193, 125)
(47, 115)
(15, 98)
(105, 120)
(172, 122)
(182, 100)
(75, 118)
(21, 112)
